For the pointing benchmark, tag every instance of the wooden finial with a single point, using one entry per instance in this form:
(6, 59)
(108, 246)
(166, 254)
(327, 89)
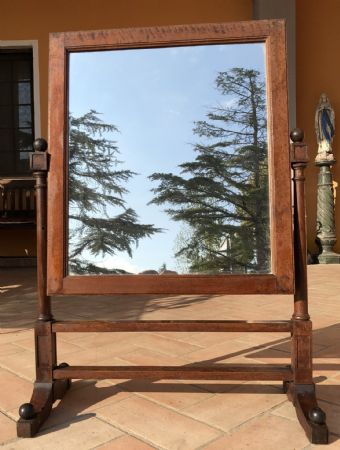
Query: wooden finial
(40, 145)
(39, 159)
(297, 135)
(298, 149)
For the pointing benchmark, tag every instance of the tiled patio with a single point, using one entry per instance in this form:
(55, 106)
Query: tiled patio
(140, 415)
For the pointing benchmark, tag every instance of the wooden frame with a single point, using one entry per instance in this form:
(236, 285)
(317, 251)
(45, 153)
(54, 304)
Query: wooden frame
(53, 380)
(281, 280)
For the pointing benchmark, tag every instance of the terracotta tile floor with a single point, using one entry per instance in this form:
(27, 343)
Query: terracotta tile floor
(140, 415)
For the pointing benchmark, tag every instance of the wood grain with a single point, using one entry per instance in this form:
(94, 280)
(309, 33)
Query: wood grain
(174, 325)
(225, 372)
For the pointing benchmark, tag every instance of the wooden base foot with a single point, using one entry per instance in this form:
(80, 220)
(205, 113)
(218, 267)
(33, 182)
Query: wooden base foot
(34, 414)
(311, 417)
(285, 386)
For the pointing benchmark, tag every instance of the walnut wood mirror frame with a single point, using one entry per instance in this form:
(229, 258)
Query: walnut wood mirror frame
(288, 240)
(281, 278)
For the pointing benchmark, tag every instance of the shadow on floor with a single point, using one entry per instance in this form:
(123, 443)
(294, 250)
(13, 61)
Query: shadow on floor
(18, 304)
(83, 395)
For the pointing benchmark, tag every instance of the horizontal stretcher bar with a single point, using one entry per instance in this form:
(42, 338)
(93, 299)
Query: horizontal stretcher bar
(174, 325)
(193, 372)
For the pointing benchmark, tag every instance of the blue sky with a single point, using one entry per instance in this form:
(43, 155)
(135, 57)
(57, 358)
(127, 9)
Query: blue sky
(153, 96)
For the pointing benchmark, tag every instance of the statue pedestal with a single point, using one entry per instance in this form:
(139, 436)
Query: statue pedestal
(329, 258)
(325, 230)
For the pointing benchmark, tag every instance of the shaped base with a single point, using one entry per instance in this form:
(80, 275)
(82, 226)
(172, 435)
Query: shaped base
(34, 414)
(311, 417)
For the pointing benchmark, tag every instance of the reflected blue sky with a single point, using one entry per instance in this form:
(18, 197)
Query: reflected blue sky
(153, 96)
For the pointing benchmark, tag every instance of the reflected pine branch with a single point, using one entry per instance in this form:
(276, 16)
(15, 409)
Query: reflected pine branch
(100, 221)
(222, 196)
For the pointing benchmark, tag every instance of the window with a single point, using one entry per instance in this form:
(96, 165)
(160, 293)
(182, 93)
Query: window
(16, 111)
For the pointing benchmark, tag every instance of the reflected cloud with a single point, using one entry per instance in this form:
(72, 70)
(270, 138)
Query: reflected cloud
(112, 262)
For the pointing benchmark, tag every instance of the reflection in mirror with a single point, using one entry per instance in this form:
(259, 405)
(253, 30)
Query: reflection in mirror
(168, 161)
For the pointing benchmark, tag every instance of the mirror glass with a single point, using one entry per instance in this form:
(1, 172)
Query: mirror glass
(168, 161)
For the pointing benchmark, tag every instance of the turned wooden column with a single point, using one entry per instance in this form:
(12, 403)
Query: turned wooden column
(299, 160)
(39, 161)
(302, 326)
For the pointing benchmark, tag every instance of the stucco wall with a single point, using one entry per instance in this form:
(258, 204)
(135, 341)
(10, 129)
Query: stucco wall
(317, 71)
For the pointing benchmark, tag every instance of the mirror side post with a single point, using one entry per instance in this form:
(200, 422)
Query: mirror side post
(302, 388)
(45, 390)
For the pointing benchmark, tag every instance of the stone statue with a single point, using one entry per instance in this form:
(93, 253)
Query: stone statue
(324, 128)
(325, 215)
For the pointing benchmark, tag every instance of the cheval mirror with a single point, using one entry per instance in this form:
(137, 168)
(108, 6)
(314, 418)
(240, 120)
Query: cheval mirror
(170, 173)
